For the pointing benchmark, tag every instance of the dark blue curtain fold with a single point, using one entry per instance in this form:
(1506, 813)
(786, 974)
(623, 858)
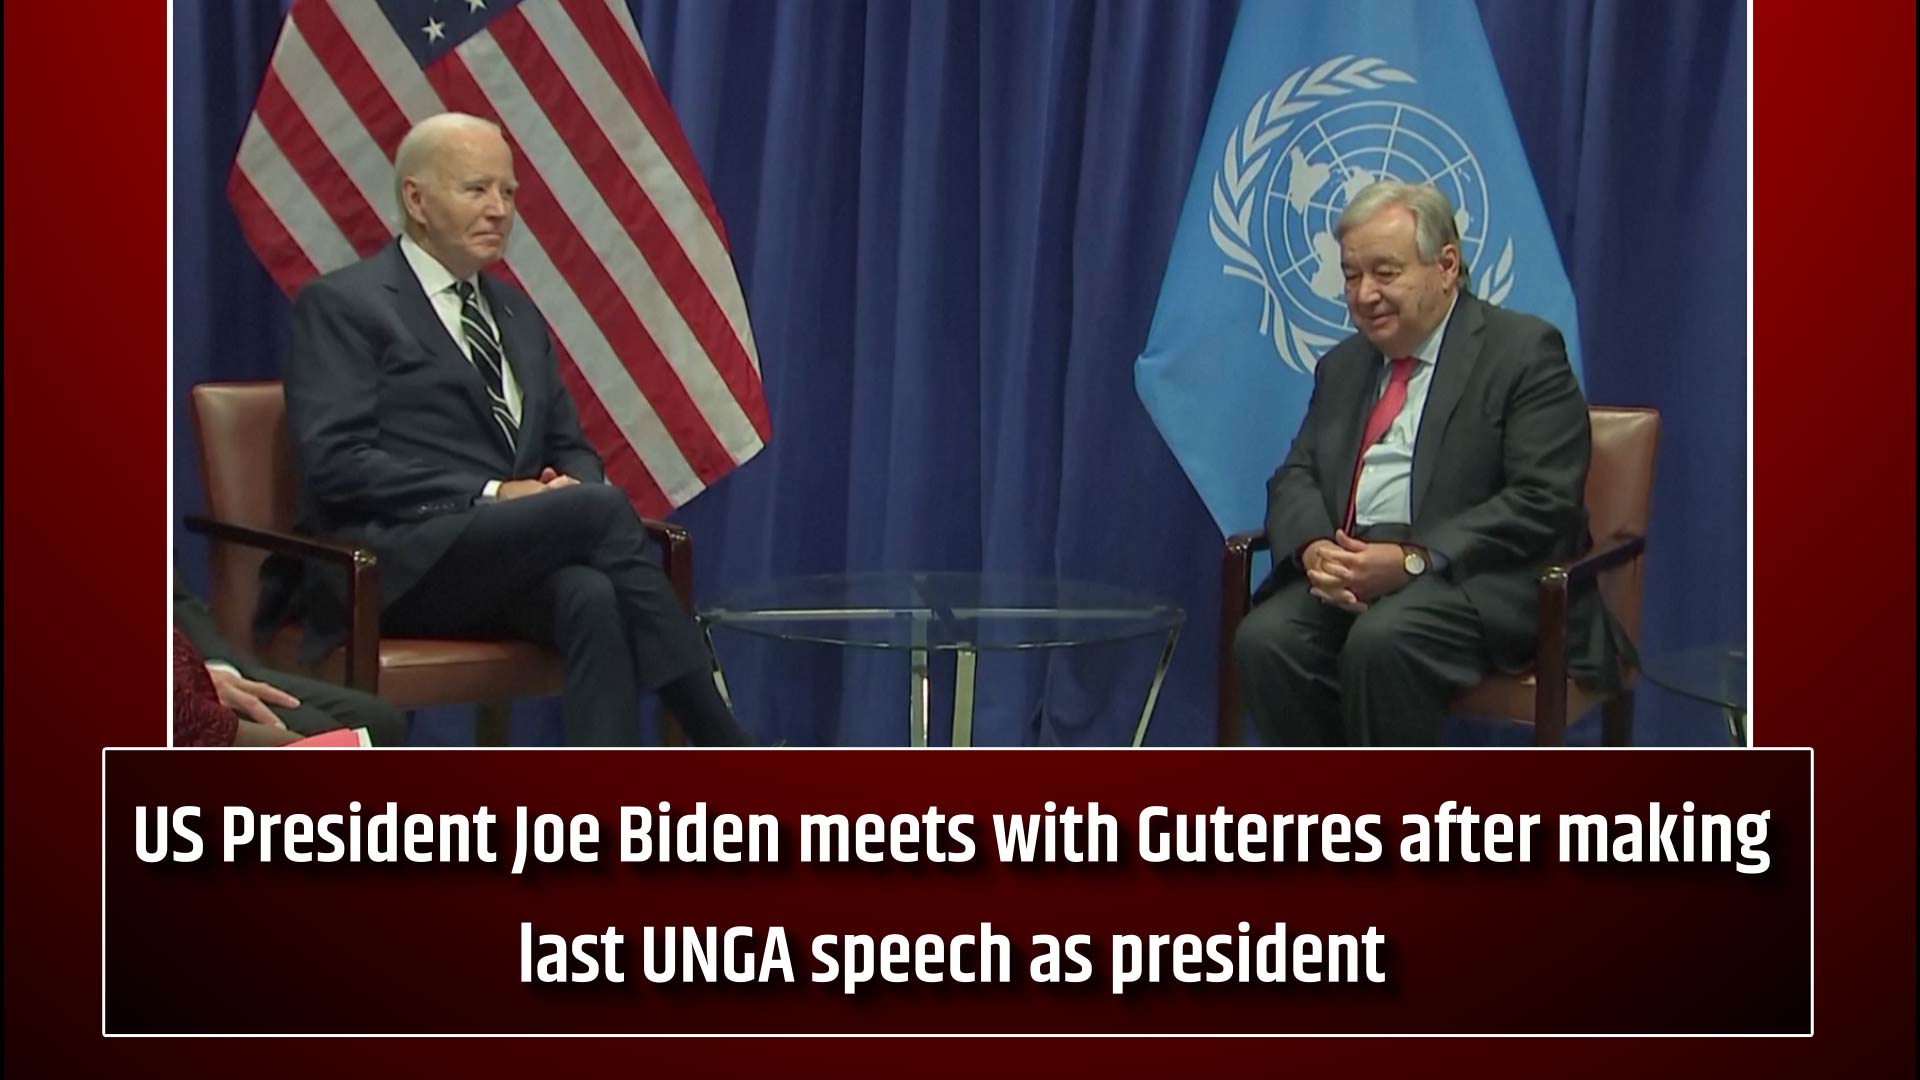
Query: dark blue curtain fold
(1634, 117)
(951, 221)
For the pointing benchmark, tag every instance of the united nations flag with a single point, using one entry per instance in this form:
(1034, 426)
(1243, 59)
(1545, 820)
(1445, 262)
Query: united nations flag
(1315, 102)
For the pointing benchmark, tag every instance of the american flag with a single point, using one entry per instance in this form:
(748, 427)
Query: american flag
(619, 243)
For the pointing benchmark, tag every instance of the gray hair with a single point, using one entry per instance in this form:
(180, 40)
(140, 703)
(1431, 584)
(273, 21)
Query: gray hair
(1433, 223)
(422, 143)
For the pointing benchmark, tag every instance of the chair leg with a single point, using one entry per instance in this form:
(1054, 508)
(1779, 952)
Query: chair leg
(491, 723)
(1616, 720)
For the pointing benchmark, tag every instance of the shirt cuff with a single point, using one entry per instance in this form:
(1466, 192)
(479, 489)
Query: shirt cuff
(222, 665)
(491, 491)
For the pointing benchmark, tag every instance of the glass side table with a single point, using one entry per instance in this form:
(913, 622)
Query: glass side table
(921, 613)
(1714, 674)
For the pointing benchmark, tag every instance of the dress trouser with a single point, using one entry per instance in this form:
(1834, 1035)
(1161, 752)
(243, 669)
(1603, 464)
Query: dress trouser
(573, 569)
(1314, 675)
(325, 706)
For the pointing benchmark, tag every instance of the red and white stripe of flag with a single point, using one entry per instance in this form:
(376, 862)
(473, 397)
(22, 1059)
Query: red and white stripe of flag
(619, 243)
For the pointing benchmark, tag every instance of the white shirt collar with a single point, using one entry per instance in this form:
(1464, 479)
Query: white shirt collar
(434, 277)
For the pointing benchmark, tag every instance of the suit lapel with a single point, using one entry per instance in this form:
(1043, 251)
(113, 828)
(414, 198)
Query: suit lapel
(1451, 372)
(417, 313)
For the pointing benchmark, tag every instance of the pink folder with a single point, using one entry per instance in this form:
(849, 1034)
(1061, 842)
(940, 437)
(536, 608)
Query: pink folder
(347, 738)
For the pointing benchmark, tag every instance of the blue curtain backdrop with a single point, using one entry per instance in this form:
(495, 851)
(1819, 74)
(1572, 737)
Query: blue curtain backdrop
(951, 221)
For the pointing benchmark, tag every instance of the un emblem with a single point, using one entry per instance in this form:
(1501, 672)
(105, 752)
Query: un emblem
(1303, 152)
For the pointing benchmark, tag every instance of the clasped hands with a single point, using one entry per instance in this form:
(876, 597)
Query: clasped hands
(550, 480)
(1351, 574)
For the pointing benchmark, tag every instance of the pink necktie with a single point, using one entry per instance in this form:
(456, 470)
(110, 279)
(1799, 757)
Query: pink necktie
(1384, 412)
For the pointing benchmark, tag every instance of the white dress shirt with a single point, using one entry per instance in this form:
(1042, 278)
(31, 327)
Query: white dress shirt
(1384, 492)
(437, 282)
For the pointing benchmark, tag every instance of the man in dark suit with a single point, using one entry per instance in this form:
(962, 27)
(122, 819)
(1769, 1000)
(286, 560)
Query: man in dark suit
(1442, 461)
(430, 424)
(268, 704)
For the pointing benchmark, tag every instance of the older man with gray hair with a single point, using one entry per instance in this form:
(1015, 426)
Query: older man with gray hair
(1441, 461)
(430, 424)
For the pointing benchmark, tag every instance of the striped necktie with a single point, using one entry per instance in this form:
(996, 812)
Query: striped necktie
(488, 359)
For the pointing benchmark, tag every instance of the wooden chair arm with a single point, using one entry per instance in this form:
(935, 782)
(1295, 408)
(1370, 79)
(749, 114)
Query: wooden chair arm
(1550, 647)
(676, 556)
(363, 586)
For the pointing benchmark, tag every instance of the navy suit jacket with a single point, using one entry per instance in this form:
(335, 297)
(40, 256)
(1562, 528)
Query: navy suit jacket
(1499, 474)
(393, 440)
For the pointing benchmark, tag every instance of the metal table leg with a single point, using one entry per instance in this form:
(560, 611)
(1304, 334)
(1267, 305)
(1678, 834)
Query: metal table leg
(917, 713)
(917, 665)
(719, 680)
(1153, 692)
(963, 697)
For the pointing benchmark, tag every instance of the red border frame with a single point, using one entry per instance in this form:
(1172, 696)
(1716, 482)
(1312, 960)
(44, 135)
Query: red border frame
(1833, 627)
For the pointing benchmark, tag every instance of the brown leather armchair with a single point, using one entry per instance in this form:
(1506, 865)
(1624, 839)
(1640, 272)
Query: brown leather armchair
(1619, 503)
(246, 473)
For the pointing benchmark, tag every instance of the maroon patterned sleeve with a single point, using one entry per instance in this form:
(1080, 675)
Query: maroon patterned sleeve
(199, 719)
